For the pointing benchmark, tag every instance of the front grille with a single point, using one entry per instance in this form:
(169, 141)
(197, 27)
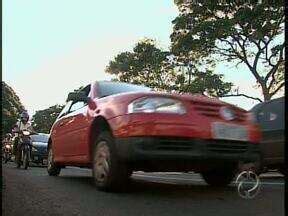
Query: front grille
(183, 144)
(213, 110)
(169, 144)
(225, 146)
(175, 145)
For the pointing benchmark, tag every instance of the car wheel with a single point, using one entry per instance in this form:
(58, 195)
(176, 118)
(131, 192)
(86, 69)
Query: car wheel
(52, 168)
(109, 173)
(218, 178)
(256, 167)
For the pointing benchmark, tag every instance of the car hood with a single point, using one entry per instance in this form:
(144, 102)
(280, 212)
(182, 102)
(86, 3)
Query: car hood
(116, 105)
(185, 97)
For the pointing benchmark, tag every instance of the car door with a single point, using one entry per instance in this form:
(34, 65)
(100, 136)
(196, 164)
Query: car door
(78, 129)
(59, 133)
(80, 125)
(74, 130)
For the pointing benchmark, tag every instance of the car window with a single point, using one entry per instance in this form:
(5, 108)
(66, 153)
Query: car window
(80, 104)
(76, 106)
(110, 88)
(65, 109)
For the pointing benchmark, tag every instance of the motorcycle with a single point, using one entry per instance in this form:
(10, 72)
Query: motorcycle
(7, 153)
(24, 149)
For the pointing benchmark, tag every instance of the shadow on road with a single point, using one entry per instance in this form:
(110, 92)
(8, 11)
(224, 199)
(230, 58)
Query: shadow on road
(37, 165)
(157, 189)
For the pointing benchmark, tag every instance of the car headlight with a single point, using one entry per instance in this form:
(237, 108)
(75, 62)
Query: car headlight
(34, 149)
(156, 105)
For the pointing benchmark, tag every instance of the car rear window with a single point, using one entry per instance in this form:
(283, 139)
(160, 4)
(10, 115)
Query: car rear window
(110, 88)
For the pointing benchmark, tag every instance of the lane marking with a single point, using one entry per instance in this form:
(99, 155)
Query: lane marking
(168, 178)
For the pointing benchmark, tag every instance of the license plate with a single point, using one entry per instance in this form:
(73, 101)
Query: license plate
(229, 131)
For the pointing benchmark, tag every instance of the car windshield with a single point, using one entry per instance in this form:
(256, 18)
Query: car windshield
(40, 138)
(110, 88)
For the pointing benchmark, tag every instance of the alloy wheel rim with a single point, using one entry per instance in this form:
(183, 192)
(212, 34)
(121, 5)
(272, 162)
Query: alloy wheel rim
(101, 162)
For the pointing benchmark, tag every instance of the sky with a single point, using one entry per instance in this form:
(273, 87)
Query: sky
(53, 47)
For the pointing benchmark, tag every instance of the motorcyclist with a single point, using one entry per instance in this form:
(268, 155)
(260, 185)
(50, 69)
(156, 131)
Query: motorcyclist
(7, 139)
(21, 125)
(6, 145)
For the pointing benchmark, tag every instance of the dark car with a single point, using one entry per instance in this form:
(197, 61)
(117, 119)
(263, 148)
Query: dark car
(271, 118)
(39, 149)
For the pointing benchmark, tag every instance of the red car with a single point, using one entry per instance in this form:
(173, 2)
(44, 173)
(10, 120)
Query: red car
(117, 128)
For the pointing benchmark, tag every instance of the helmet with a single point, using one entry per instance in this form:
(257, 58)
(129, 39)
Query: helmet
(24, 116)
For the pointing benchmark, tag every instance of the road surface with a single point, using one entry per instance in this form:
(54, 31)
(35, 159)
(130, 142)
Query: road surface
(32, 192)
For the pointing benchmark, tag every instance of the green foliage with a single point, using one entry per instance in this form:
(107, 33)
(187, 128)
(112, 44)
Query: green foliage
(206, 83)
(142, 66)
(43, 120)
(160, 70)
(244, 32)
(11, 108)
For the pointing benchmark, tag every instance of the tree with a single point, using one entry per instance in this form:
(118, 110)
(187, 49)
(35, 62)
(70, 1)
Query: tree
(43, 120)
(142, 66)
(160, 70)
(11, 108)
(244, 32)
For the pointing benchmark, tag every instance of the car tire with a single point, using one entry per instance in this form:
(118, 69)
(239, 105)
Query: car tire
(52, 168)
(109, 173)
(218, 178)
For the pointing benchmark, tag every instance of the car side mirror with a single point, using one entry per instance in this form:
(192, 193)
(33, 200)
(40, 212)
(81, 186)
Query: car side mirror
(78, 96)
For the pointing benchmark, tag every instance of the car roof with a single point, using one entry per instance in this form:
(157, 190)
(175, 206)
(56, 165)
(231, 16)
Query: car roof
(273, 102)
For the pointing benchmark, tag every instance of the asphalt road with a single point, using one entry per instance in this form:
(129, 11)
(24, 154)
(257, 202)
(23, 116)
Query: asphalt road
(32, 192)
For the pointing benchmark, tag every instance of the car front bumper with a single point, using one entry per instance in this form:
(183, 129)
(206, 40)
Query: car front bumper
(38, 156)
(157, 149)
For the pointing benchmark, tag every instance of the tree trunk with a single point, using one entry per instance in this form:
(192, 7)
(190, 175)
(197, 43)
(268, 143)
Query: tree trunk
(267, 96)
